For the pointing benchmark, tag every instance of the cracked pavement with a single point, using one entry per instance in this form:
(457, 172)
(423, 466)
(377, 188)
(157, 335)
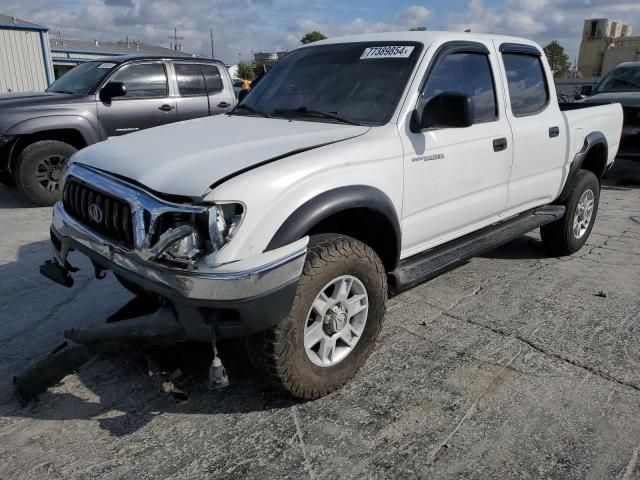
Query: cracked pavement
(515, 365)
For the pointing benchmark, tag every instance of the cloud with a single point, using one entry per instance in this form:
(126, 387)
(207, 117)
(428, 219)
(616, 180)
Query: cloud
(543, 20)
(243, 26)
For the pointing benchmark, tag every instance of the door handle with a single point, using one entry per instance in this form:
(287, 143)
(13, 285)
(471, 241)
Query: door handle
(500, 144)
(166, 107)
(224, 105)
(554, 132)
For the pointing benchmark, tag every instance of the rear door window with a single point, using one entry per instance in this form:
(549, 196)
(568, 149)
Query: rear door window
(197, 79)
(527, 81)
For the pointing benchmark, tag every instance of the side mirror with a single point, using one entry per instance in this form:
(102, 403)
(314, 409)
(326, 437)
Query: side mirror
(448, 110)
(242, 94)
(111, 90)
(586, 90)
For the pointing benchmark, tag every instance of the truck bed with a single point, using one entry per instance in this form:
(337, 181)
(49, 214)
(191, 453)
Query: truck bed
(585, 119)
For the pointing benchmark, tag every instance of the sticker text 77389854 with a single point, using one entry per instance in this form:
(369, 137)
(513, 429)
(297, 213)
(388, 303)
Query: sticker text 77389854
(390, 51)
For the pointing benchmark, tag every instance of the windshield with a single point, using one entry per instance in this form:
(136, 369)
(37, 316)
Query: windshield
(82, 79)
(622, 79)
(347, 83)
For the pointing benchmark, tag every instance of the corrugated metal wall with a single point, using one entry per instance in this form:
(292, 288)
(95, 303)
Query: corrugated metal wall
(22, 61)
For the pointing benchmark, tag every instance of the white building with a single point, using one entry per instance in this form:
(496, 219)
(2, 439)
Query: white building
(25, 63)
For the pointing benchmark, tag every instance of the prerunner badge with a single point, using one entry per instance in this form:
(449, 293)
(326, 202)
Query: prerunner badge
(392, 51)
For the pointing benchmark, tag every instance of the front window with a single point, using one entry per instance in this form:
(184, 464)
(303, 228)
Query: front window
(622, 79)
(143, 80)
(468, 73)
(358, 83)
(82, 79)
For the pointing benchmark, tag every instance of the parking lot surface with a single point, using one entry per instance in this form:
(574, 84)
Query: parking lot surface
(515, 365)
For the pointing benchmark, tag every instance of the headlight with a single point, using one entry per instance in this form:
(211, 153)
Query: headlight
(224, 221)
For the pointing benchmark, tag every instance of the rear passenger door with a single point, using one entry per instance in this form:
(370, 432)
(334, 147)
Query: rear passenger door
(456, 179)
(538, 128)
(146, 104)
(202, 91)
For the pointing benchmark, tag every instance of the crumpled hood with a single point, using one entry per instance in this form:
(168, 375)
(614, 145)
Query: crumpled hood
(627, 99)
(186, 158)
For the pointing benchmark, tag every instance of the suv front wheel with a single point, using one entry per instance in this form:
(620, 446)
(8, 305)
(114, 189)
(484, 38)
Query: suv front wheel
(39, 170)
(334, 321)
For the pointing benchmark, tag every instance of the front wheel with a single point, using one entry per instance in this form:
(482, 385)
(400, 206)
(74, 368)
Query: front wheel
(334, 321)
(568, 234)
(39, 170)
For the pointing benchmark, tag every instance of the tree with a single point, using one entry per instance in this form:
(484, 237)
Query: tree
(245, 72)
(558, 59)
(312, 37)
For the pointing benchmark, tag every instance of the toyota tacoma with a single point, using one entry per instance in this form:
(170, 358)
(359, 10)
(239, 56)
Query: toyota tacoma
(358, 167)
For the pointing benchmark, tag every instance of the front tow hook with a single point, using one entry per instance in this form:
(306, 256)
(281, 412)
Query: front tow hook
(58, 273)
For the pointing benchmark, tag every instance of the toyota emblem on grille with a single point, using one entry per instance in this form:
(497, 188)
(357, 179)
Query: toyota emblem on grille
(95, 213)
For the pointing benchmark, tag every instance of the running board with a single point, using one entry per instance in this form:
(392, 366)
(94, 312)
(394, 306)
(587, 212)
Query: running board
(429, 264)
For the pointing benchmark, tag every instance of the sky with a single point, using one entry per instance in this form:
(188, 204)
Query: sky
(241, 27)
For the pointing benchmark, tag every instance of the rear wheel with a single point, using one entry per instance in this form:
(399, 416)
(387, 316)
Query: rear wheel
(39, 170)
(334, 321)
(568, 234)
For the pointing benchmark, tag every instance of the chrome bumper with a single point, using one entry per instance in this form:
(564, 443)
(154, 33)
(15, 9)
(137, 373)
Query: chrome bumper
(240, 280)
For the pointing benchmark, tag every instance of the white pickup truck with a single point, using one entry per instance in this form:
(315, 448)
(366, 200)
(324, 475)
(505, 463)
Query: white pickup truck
(358, 166)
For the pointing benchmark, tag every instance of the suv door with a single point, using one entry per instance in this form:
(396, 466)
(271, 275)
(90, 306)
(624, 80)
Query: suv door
(456, 179)
(538, 126)
(202, 91)
(146, 104)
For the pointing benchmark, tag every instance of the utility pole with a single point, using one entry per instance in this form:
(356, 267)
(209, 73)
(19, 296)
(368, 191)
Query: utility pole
(175, 45)
(212, 55)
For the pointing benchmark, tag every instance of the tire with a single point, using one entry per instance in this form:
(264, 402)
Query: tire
(281, 350)
(562, 237)
(39, 169)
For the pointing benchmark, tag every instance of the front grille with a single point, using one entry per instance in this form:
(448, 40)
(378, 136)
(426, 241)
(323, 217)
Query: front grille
(631, 116)
(102, 213)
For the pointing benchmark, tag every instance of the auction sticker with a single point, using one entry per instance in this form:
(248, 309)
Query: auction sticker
(391, 51)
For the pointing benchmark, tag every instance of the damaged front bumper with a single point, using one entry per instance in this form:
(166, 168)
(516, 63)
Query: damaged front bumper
(238, 298)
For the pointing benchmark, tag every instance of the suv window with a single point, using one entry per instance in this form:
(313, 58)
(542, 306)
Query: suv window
(528, 87)
(197, 79)
(468, 73)
(144, 80)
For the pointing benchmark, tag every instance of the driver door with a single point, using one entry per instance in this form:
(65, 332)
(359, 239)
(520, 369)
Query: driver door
(147, 102)
(457, 179)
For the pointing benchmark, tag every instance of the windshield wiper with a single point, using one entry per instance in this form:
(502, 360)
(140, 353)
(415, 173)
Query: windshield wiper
(305, 111)
(248, 109)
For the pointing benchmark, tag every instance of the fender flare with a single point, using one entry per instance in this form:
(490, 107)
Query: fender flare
(592, 140)
(334, 201)
(57, 122)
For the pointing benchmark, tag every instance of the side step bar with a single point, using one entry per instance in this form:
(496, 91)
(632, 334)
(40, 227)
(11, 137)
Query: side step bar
(424, 266)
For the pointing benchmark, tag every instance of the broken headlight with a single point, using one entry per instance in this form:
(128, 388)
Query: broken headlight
(224, 220)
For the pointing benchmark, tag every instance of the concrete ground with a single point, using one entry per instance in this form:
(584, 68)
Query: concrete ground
(515, 365)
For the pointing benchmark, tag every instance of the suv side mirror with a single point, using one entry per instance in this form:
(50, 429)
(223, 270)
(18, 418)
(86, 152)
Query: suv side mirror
(111, 90)
(448, 110)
